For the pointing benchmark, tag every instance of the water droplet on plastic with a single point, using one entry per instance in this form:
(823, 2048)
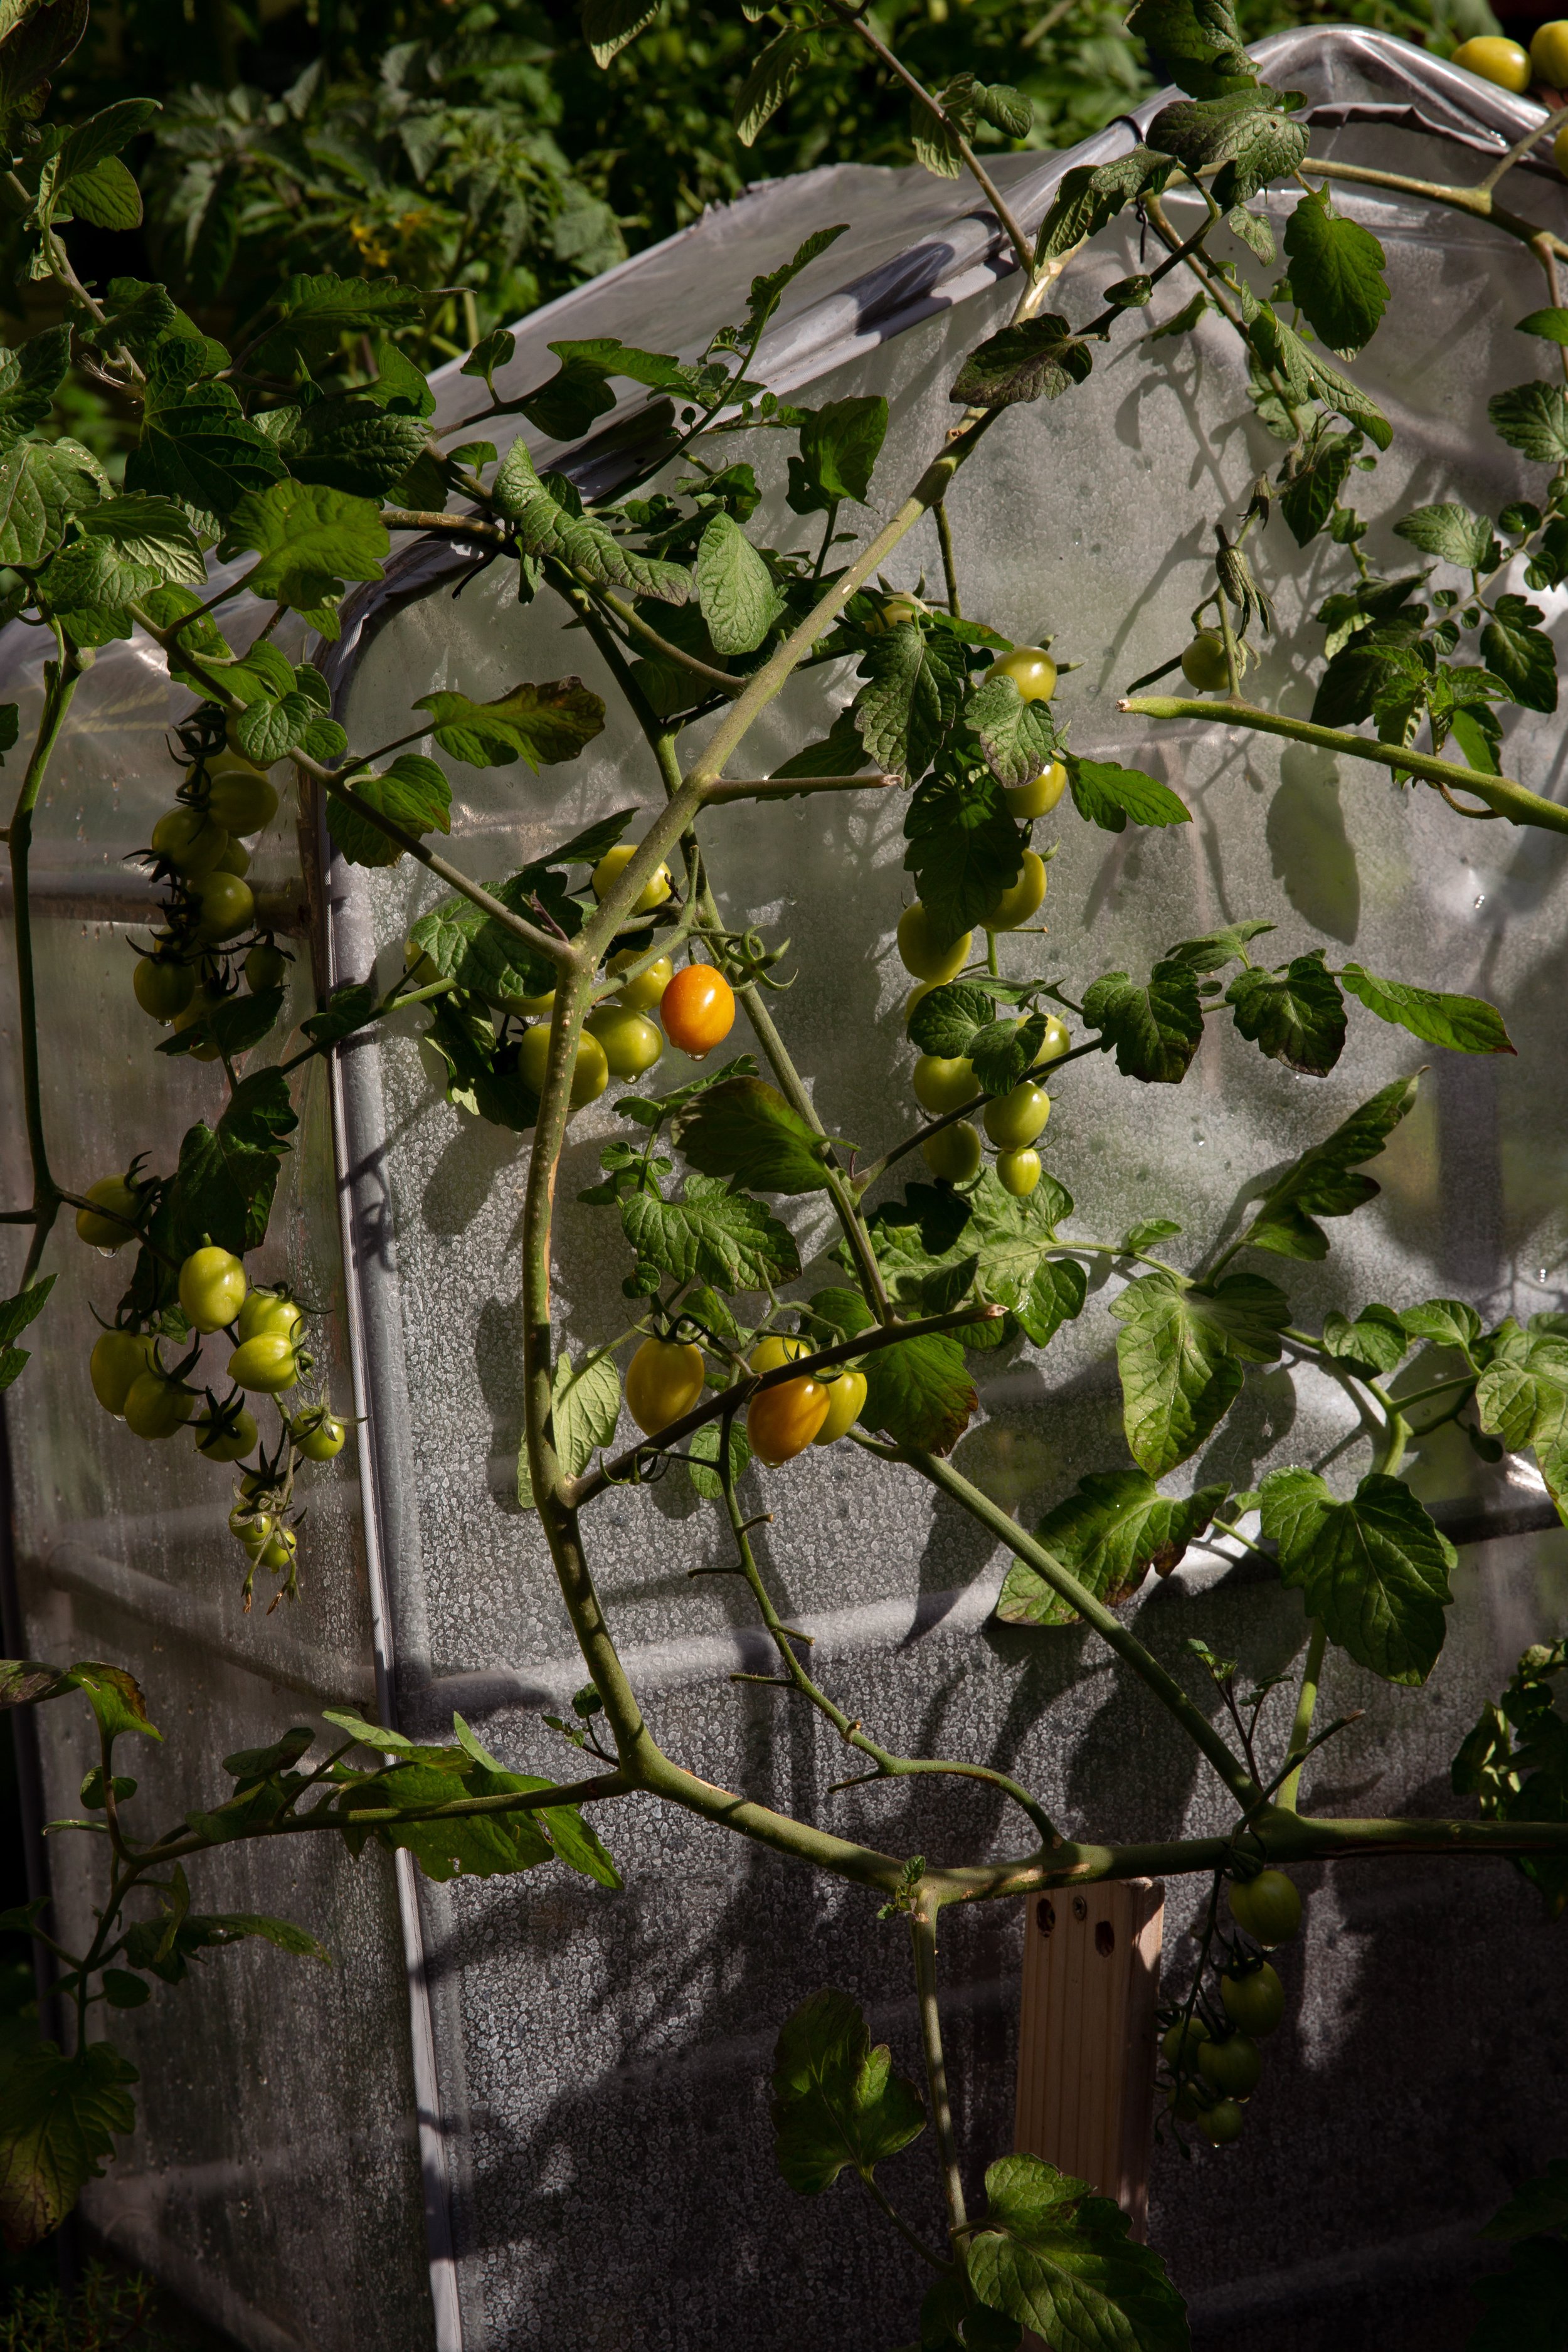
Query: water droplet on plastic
(1481, 900)
(105, 1252)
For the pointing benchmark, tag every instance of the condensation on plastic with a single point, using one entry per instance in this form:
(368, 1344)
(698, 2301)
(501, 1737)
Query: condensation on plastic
(600, 2061)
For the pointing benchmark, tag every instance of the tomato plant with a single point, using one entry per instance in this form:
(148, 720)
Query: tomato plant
(787, 1289)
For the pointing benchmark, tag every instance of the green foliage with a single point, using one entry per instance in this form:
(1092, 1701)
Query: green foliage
(837, 2104)
(1375, 1567)
(1109, 1533)
(58, 2120)
(1058, 2258)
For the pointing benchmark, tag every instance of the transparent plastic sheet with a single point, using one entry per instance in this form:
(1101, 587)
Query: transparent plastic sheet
(600, 2063)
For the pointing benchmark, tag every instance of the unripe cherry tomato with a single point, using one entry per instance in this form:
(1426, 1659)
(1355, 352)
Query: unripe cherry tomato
(1040, 796)
(211, 1287)
(894, 610)
(225, 905)
(278, 1552)
(266, 1364)
(631, 1043)
(1268, 1906)
(1031, 669)
(118, 1358)
(319, 1433)
(1549, 54)
(925, 951)
(252, 1527)
(190, 839)
(590, 1071)
(943, 1084)
(783, 1422)
(163, 988)
(921, 989)
(1020, 1172)
(613, 864)
(236, 859)
(228, 1436)
(1014, 1118)
(113, 1223)
(1503, 62)
(643, 993)
(264, 967)
(846, 1400)
(1234, 2067)
(156, 1406)
(1056, 1042)
(268, 1314)
(953, 1152)
(1181, 2042)
(1222, 2122)
(1189, 2100)
(202, 1003)
(1254, 1999)
(240, 796)
(664, 1380)
(1203, 664)
(1560, 152)
(698, 1010)
(1014, 906)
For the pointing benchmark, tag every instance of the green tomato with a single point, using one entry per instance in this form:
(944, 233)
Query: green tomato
(941, 1084)
(238, 796)
(643, 993)
(1013, 1120)
(112, 1221)
(236, 859)
(1266, 1907)
(1031, 669)
(1232, 2067)
(632, 1042)
(227, 1437)
(118, 1358)
(189, 840)
(264, 967)
(163, 988)
(319, 1434)
(1188, 2101)
(252, 1527)
(1020, 1172)
(1222, 2122)
(1022, 899)
(953, 1152)
(224, 905)
(1040, 796)
(278, 1552)
(1254, 1999)
(613, 864)
(1181, 2042)
(591, 1072)
(156, 1406)
(268, 1314)
(926, 951)
(1503, 62)
(1204, 663)
(267, 1364)
(846, 1401)
(1549, 54)
(211, 1287)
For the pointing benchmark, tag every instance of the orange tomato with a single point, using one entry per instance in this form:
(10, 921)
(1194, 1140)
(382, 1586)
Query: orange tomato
(664, 1380)
(783, 1422)
(698, 1010)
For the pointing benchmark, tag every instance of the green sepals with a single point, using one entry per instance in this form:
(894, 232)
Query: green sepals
(746, 1132)
(1017, 738)
(1520, 653)
(734, 588)
(1090, 195)
(1533, 419)
(965, 847)
(769, 81)
(1110, 1534)
(316, 312)
(1155, 1026)
(1106, 794)
(711, 1235)
(1375, 1569)
(1058, 2260)
(1515, 1761)
(836, 2102)
(310, 539)
(1038, 359)
(16, 1313)
(1375, 1344)
(944, 1021)
(61, 2114)
(1522, 1399)
(413, 792)
(1336, 273)
(1180, 1354)
(839, 445)
(541, 725)
(1295, 1015)
(1310, 493)
(584, 1406)
(1451, 530)
(915, 680)
(1324, 1182)
(1467, 1024)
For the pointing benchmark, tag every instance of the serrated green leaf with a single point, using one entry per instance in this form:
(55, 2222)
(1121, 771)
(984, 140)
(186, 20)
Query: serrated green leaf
(30, 375)
(1309, 376)
(1336, 273)
(839, 444)
(198, 446)
(1058, 2260)
(1323, 1182)
(768, 84)
(719, 1238)
(542, 725)
(964, 848)
(1378, 1340)
(1375, 1569)
(744, 1129)
(546, 529)
(1038, 359)
(1247, 128)
(413, 792)
(1017, 737)
(124, 548)
(1466, 1024)
(307, 535)
(944, 1021)
(61, 2116)
(734, 588)
(316, 312)
(107, 196)
(1180, 1354)
(836, 2101)
(1446, 1322)
(919, 1392)
(1090, 195)
(1109, 1533)
(1106, 794)
(1533, 419)
(1310, 494)
(1520, 653)
(609, 25)
(1003, 1052)
(702, 1447)
(1296, 1016)
(115, 1699)
(1522, 1399)
(914, 682)
(1452, 531)
(42, 484)
(1214, 949)
(350, 442)
(1156, 1026)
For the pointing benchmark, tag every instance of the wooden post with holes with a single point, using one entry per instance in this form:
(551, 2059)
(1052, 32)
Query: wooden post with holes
(1086, 2036)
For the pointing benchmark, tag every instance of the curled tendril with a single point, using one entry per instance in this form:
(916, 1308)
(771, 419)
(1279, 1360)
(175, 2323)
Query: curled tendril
(750, 959)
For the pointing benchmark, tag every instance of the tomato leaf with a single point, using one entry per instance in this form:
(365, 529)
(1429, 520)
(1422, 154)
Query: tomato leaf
(919, 1392)
(715, 1236)
(734, 588)
(413, 792)
(1375, 1569)
(1156, 1026)
(1038, 359)
(1090, 195)
(744, 1129)
(836, 2101)
(1466, 1024)
(1308, 496)
(1109, 1533)
(1378, 1341)
(1295, 1015)
(584, 1405)
(1017, 737)
(60, 2118)
(1336, 273)
(305, 535)
(1520, 653)
(964, 848)
(1323, 1182)
(944, 1021)
(542, 725)
(1515, 1761)
(1058, 2260)
(544, 527)
(839, 444)
(1522, 1399)
(915, 680)
(1180, 1354)
(1533, 419)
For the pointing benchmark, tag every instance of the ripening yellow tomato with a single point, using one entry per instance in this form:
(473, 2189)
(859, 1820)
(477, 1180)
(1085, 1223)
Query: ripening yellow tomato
(926, 951)
(783, 1422)
(1057, 1041)
(117, 1360)
(643, 993)
(1560, 152)
(846, 1400)
(894, 609)
(590, 1071)
(111, 1223)
(613, 864)
(1503, 62)
(664, 1380)
(943, 1084)
(1549, 54)
(211, 1287)
(1014, 1118)
(1018, 1172)
(1040, 796)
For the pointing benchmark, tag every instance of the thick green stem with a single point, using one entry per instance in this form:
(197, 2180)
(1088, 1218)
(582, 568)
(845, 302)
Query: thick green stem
(1305, 1707)
(923, 1935)
(60, 687)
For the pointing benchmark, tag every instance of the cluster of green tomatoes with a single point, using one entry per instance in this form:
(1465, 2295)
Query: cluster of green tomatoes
(944, 1083)
(1211, 2050)
(1543, 67)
